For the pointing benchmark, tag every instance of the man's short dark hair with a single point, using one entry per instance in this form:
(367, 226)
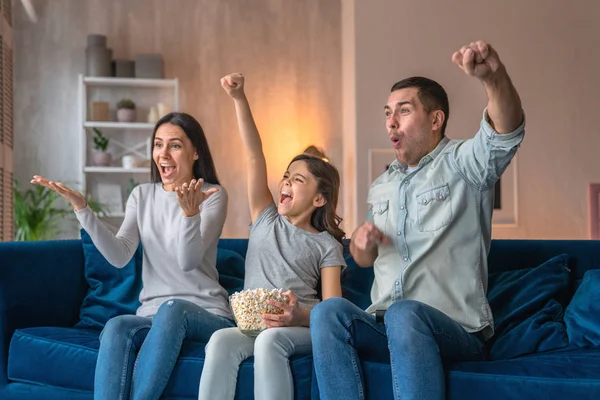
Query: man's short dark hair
(432, 95)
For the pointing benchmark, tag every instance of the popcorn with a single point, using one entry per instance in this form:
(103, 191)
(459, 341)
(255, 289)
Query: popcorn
(249, 306)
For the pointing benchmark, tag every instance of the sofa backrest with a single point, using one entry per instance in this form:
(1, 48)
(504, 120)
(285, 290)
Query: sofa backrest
(356, 282)
(506, 255)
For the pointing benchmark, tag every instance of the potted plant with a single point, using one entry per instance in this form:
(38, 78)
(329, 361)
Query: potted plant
(37, 214)
(100, 157)
(126, 111)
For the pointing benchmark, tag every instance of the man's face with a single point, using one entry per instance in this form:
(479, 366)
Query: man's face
(412, 130)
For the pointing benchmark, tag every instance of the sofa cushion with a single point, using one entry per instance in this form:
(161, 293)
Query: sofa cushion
(113, 291)
(525, 304)
(231, 268)
(582, 316)
(560, 374)
(45, 355)
(356, 282)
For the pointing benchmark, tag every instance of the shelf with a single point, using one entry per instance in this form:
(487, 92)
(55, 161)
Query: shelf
(116, 170)
(118, 125)
(130, 82)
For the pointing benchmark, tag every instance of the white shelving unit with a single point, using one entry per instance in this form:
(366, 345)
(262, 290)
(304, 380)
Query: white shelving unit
(124, 137)
(118, 125)
(115, 170)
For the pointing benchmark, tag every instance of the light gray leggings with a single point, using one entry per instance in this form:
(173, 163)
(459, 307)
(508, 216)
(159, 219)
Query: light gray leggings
(227, 348)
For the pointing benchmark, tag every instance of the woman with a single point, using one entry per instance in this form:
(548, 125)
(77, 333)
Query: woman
(178, 218)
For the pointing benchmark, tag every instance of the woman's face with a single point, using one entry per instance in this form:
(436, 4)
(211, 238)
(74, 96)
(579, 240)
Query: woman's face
(174, 155)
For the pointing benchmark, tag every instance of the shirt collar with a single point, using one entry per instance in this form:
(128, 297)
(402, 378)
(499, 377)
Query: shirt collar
(396, 165)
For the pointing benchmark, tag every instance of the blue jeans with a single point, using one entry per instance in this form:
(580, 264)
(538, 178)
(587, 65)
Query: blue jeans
(121, 375)
(414, 337)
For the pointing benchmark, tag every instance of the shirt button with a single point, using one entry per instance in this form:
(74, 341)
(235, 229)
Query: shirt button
(441, 197)
(402, 207)
(424, 201)
(399, 233)
(405, 258)
(397, 283)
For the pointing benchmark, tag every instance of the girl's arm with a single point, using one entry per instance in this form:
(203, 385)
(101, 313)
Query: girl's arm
(259, 195)
(331, 285)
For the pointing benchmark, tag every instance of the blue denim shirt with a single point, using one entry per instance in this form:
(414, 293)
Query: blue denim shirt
(439, 219)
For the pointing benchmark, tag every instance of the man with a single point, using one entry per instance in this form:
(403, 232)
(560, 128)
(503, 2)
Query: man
(427, 235)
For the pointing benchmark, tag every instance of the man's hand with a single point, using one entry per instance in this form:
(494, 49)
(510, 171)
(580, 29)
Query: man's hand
(367, 237)
(234, 85)
(363, 245)
(478, 59)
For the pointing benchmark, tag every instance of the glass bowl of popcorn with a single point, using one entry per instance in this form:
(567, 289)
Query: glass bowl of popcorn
(249, 306)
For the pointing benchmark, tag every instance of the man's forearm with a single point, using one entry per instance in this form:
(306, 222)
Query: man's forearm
(504, 104)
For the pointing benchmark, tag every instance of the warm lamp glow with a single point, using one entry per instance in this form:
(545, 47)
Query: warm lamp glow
(289, 121)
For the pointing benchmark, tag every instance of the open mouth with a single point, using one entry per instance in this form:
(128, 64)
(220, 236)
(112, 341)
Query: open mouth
(285, 198)
(166, 169)
(395, 142)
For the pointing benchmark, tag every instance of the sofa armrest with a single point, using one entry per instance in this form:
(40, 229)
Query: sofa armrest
(41, 284)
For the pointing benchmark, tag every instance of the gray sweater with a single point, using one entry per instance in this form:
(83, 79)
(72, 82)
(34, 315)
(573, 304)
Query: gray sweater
(283, 256)
(179, 253)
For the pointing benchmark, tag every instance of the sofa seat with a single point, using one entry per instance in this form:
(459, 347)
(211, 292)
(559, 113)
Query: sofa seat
(568, 373)
(41, 355)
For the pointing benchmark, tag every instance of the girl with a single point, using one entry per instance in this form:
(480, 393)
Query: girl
(293, 244)
(178, 219)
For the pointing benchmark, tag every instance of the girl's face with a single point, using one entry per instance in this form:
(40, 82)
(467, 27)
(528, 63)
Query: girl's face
(298, 195)
(174, 155)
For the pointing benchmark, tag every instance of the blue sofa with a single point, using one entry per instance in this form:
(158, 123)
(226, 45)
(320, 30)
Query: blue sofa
(47, 353)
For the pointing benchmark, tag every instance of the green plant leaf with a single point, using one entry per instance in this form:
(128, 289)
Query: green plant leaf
(37, 215)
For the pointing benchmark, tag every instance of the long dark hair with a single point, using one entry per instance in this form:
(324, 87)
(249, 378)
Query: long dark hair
(324, 218)
(203, 167)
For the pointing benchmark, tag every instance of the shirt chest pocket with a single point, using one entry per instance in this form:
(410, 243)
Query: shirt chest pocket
(434, 209)
(379, 210)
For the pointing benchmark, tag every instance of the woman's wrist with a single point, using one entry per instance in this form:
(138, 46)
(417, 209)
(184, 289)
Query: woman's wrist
(189, 213)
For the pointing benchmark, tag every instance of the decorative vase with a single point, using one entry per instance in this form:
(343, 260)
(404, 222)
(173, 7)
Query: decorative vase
(163, 110)
(101, 158)
(126, 115)
(98, 58)
(129, 161)
(153, 115)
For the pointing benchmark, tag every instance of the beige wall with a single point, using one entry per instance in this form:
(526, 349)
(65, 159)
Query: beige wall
(550, 48)
(290, 52)
(304, 92)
